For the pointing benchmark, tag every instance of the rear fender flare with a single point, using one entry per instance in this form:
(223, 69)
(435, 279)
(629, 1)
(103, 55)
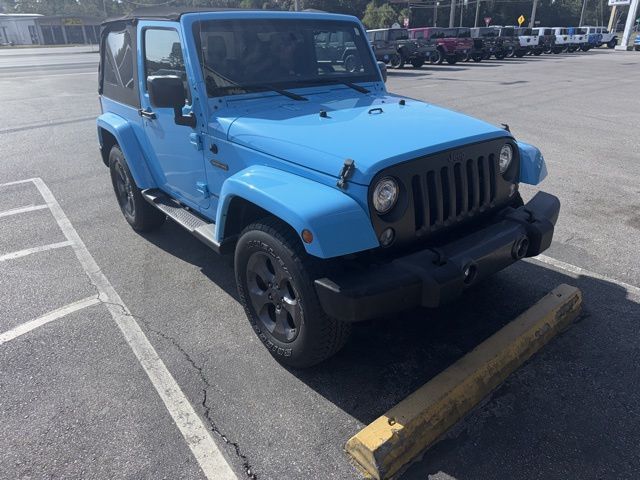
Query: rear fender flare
(126, 138)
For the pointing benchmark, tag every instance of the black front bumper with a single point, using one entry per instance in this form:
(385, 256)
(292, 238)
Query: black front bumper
(435, 276)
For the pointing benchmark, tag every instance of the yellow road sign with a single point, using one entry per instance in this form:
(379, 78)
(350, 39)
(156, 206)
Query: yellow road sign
(521, 20)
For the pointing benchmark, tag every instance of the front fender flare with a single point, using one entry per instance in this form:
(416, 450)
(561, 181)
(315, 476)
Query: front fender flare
(339, 224)
(128, 143)
(532, 166)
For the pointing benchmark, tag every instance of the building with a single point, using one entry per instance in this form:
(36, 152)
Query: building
(18, 29)
(34, 29)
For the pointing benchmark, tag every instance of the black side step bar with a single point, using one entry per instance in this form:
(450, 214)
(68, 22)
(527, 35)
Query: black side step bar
(204, 230)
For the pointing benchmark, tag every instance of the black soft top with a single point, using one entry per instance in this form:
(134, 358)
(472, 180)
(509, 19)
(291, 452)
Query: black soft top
(165, 13)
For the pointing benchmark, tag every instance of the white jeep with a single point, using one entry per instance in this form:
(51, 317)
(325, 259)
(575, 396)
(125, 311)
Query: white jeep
(610, 39)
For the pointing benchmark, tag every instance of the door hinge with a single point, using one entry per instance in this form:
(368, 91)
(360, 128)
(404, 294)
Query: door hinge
(196, 141)
(203, 188)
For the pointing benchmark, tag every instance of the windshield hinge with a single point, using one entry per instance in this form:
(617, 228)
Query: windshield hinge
(347, 170)
(196, 141)
(203, 188)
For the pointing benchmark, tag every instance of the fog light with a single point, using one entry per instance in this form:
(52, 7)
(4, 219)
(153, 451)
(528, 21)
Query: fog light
(386, 237)
(469, 273)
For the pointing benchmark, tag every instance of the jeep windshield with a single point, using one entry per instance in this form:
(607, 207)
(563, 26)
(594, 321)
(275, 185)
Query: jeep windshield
(242, 56)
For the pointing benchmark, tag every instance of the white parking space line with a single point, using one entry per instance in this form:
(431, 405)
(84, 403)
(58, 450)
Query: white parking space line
(17, 182)
(49, 317)
(579, 271)
(195, 433)
(16, 211)
(29, 251)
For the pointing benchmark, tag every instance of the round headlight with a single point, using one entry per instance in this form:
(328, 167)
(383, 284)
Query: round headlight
(385, 195)
(506, 155)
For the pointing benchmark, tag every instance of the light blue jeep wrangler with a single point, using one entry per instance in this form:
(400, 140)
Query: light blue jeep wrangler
(339, 201)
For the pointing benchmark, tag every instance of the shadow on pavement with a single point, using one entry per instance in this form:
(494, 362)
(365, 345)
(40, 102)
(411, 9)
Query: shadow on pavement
(572, 408)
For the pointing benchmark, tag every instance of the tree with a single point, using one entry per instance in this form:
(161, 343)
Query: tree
(379, 16)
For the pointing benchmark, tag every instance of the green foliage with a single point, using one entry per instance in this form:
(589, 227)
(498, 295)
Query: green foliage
(377, 15)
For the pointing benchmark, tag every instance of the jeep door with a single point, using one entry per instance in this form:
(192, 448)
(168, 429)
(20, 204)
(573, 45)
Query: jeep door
(175, 149)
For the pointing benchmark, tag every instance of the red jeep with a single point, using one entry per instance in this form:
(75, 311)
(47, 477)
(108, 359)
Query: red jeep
(449, 46)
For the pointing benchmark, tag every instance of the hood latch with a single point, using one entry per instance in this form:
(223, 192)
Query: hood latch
(347, 170)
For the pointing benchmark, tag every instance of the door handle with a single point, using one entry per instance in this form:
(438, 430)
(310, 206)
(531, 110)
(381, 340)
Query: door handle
(147, 114)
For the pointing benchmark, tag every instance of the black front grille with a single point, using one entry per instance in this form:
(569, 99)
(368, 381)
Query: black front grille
(451, 193)
(445, 190)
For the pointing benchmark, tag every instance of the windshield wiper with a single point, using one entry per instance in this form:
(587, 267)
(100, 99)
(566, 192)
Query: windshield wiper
(286, 93)
(354, 86)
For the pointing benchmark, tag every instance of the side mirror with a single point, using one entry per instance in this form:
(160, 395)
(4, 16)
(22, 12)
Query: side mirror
(383, 70)
(167, 91)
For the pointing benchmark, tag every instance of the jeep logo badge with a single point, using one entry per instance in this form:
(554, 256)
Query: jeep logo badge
(455, 157)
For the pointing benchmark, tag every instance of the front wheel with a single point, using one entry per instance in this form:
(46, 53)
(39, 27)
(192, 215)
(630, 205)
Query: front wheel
(142, 216)
(274, 276)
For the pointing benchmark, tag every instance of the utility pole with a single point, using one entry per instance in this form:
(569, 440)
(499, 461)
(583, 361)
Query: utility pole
(533, 14)
(461, 9)
(475, 23)
(628, 27)
(435, 13)
(614, 13)
(584, 4)
(452, 14)
(296, 5)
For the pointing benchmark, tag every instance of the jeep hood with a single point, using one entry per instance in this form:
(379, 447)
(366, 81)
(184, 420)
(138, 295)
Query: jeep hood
(376, 131)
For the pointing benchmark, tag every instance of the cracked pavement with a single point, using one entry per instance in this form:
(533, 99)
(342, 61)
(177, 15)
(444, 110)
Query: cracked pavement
(75, 403)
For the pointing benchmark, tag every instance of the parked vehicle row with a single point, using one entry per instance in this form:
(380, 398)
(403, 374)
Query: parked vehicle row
(397, 47)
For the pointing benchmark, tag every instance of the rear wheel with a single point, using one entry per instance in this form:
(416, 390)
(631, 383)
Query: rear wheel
(274, 276)
(351, 64)
(396, 61)
(612, 43)
(136, 210)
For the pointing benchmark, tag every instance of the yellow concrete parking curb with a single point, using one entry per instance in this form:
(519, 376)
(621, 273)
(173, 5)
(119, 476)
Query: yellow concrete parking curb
(383, 447)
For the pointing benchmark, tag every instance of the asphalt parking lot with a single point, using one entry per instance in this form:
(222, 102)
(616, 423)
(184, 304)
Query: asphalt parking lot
(76, 396)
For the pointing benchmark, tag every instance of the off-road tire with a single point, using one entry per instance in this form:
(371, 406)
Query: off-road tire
(612, 43)
(395, 61)
(417, 63)
(351, 63)
(452, 60)
(142, 216)
(318, 336)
